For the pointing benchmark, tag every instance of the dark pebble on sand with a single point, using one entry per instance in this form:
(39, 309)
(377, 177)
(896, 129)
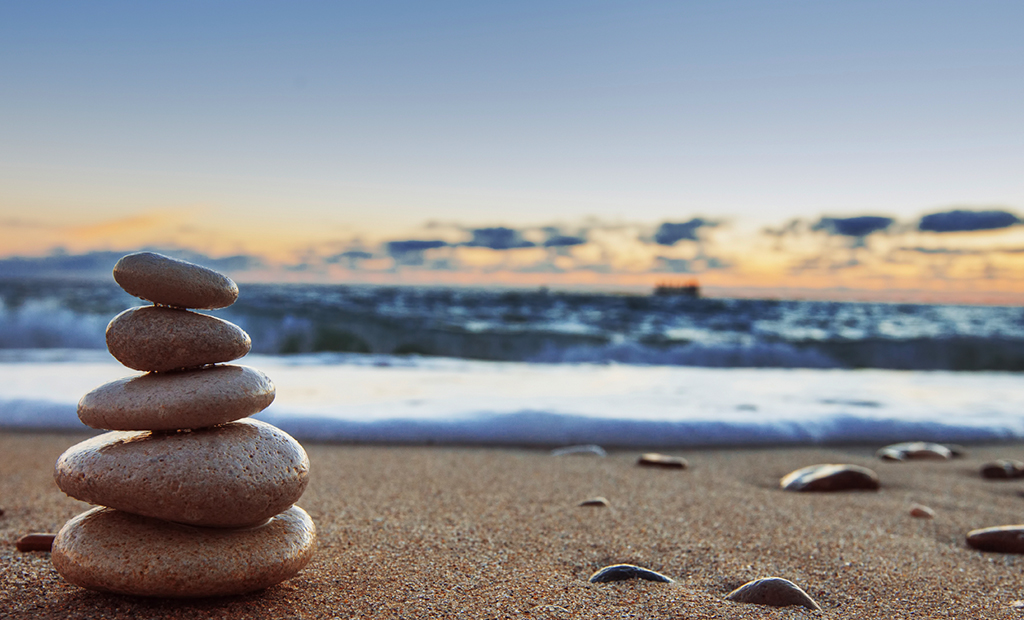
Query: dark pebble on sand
(599, 502)
(773, 591)
(622, 572)
(914, 451)
(652, 459)
(1001, 539)
(1002, 469)
(35, 542)
(830, 477)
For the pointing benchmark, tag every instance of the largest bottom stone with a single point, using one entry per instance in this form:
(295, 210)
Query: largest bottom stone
(113, 551)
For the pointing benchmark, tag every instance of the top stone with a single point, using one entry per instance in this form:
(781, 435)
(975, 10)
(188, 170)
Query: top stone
(171, 282)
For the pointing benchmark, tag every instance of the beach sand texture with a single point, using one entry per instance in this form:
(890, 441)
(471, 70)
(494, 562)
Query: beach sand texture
(439, 532)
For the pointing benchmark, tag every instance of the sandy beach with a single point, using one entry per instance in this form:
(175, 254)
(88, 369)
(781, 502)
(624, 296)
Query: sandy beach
(462, 532)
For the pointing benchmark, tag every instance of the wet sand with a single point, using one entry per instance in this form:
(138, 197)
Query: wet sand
(439, 532)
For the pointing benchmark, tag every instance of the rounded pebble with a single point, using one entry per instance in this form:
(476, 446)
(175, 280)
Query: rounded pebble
(167, 401)
(622, 572)
(172, 282)
(774, 591)
(830, 477)
(154, 338)
(1002, 469)
(915, 450)
(233, 475)
(1002, 539)
(113, 551)
(652, 459)
(35, 542)
(599, 502)
(921, 512)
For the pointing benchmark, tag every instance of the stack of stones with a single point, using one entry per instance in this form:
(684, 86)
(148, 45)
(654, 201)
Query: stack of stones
(193, 498)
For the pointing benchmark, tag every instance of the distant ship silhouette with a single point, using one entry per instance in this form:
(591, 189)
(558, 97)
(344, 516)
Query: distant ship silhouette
(689, 288)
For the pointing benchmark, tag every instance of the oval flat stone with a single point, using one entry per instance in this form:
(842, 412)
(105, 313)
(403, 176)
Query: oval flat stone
(774, 591)
(171, 282)
(653, 459)
(1002, 539)
(915, 450)
(1002, 469)
(113, 551)
(830, 477)
(622, 572)
(154, 338)
(233, 475)
(166, 401)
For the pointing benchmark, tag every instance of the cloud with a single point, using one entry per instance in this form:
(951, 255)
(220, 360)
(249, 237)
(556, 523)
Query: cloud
(498, 238)
(348, 256)
(860, 226)
(410, 252)
(563, 240)
(964, 221)
(671, 233)
(101, 263)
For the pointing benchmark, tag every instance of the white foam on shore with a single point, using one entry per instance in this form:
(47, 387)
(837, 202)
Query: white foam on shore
(358, 398)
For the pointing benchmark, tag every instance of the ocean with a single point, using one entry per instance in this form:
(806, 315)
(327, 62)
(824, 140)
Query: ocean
(547, 369)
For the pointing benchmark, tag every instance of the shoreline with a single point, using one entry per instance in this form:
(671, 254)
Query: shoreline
(471, 531)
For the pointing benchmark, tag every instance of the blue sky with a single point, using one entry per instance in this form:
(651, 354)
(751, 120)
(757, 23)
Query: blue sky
(305, 123)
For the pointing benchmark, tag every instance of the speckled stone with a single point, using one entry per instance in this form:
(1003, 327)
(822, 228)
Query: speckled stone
(172, 282)
(167, 401)
(113, 551)
(622, 572)
(1001, 539)
(773, 591)
(830, 477)
(653, 459)
(915, 451)
(154, 338)
(233, 475)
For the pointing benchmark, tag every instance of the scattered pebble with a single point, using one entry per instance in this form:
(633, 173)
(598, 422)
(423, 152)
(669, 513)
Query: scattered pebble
(622, 572)
(915, 450)
(584, 449)
(35, 542)
(1002, 469)
(922, 512)
(595, 501)
(1001, 539)
(773, 591)
(830, 477)
(652, 459)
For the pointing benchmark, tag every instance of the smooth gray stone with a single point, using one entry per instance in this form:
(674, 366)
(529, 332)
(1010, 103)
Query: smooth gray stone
(155, 338)
(773, 591)
(171, 282)
(165, 401)
(113, 551)
(233, 475)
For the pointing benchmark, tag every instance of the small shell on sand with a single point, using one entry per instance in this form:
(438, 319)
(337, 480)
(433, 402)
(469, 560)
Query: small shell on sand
(652, 459)
(594, 501)
(773, 591)
(622, 572)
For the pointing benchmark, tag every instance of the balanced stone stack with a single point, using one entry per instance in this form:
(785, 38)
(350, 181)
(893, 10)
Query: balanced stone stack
(193, 499)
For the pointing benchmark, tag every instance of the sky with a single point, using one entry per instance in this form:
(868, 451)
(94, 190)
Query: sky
(567, 144)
